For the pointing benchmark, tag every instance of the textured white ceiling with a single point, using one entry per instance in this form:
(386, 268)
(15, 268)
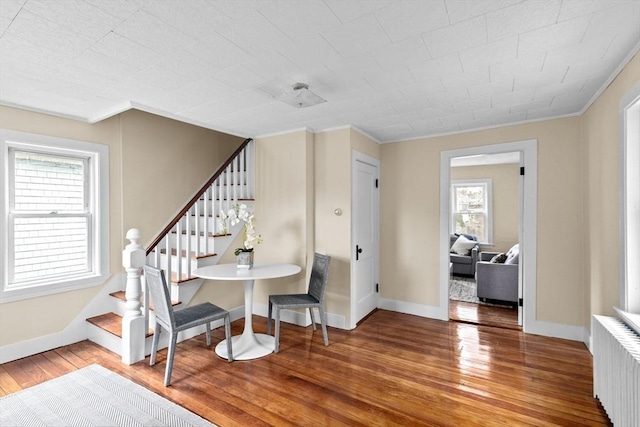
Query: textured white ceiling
(394, 69)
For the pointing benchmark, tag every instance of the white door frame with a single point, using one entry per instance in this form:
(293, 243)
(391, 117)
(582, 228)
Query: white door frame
(360, 157)
(527, 233)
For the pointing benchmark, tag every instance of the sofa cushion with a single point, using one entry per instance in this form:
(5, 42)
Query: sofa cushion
(463, 246)
(460, 259)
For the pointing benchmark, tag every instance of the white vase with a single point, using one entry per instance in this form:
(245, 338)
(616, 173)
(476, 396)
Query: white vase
(245, 260)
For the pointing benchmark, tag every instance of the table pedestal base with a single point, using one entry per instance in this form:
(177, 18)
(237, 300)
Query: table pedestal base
(248, 346)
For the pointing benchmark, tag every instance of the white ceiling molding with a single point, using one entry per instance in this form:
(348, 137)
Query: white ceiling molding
(613, 75)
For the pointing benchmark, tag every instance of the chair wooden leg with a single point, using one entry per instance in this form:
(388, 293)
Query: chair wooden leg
(208, 326)
(227, 332)
(323, 323)
(313, 318)
(269, 318)
(154, 344)
(277, 337)
(170, 352)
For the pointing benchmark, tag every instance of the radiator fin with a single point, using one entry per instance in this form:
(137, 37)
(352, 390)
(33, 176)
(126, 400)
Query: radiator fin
(616, 370)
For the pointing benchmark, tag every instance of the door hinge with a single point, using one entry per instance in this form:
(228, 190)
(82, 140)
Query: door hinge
(522, 170)
(377, 287)
(520, 302)
(376, 182)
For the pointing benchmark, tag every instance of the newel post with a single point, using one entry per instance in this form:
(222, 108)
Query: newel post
(133, 322)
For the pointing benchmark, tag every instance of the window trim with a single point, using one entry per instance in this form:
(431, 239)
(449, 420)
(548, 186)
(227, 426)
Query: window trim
(99, 182)
(487, 182)
(629, 310)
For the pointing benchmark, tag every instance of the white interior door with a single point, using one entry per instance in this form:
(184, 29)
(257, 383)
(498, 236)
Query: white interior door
(365, 240)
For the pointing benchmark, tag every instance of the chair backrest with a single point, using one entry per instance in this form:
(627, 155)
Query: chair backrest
(160, 295)
(319, 276)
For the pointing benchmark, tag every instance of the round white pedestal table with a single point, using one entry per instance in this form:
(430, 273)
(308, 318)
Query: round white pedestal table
(248, 345)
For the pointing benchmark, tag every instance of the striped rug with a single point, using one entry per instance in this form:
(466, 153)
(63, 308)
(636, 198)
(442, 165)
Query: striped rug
(92, 396)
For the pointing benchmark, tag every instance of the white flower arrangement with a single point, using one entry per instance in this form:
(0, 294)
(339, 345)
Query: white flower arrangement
(240, 212)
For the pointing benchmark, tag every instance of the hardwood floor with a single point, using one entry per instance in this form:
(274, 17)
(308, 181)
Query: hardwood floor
(394, 369)
(479, 314)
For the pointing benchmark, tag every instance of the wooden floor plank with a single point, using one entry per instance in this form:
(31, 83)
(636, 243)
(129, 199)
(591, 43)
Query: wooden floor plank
(482, 314)
(8, 384)
(393, 369)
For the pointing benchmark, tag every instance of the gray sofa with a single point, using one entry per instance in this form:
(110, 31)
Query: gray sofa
(498, 281)
(463, 265)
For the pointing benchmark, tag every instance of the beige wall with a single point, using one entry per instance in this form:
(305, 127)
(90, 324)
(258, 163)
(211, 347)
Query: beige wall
(410, 214)
(301, 179)
(333, 157)
(142, 150)
(333, 233)
(504, 188)
(164, 162)
(601, 157)
(23, 320)
(284, 200)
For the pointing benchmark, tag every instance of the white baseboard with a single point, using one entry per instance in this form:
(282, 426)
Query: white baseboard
(548, 329)
(556, 330)
(30, 347)
(421, 310)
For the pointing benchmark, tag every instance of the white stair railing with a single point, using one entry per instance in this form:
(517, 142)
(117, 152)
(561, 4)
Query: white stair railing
(192, 233)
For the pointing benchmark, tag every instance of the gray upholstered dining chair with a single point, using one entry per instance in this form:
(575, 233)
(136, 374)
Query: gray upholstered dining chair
(314, 298)
(179, 320)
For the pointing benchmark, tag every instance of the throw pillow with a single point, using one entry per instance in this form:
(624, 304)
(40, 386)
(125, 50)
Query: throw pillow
(463, 246)
(513, 254)
(499, 259)
(513, 259)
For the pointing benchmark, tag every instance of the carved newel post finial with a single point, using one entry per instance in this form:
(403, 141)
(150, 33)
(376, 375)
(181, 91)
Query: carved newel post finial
(133, 322)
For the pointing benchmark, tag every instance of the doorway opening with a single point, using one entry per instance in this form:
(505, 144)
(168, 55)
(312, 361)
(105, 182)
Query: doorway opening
(526, 207)
(485, 217)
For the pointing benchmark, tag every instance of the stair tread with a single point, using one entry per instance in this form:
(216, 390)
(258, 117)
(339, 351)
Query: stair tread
(121, 296)
(174, 252)
(112, 323)
(184, 278)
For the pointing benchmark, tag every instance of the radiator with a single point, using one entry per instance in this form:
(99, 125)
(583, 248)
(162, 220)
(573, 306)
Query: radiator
(616, 370)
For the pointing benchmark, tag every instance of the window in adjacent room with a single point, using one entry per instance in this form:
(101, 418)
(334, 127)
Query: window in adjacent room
(471, 208)
(55, 214)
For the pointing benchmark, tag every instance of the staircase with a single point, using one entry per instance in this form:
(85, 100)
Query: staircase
(198, 236)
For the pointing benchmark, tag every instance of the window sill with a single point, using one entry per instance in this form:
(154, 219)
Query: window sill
(50, 289)
(630, 319)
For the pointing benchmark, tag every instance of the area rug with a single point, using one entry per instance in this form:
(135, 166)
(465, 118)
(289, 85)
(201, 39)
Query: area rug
(463, 289)
(92, 396)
